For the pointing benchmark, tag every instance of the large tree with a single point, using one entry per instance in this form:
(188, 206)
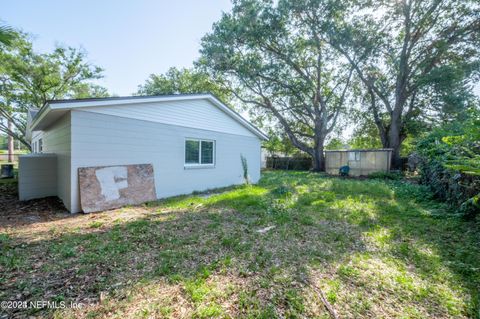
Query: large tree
(29, 80)
(7, 35)
(276, 59)
(413, 57)
(176, 81)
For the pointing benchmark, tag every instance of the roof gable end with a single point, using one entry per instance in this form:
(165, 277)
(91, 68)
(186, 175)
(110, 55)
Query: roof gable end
(55, 109)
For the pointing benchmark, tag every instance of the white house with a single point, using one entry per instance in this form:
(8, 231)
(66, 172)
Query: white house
(193, 141)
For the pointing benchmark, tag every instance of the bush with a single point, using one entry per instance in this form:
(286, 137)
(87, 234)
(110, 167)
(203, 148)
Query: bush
(290, 163)
(450, 163)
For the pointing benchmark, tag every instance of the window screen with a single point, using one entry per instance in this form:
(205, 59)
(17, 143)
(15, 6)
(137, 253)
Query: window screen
(207, 152)
(192, 149)
(199, 152)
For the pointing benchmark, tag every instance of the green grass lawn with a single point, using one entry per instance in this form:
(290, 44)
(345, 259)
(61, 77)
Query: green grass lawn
(15, 151)
(374, 248)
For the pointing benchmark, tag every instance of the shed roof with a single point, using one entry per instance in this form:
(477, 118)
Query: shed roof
(54, 109)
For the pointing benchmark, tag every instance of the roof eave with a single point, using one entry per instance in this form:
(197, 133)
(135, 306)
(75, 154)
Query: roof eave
(40, 115)
(75, 104)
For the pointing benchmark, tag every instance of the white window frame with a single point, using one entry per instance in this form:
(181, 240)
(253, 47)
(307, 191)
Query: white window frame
(198, 165)
(40, 145)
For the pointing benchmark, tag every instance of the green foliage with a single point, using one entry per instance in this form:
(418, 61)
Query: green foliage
(29, 79)
(7, 35)
(335, 143)
(361, 141)
(366, 134)
(416, 60)
(408, 145)
(176, 81)
(283, 190)
(206, 253)
(273, 144)
(451, 162)
(246, 178)
(280, 144)
(446, 91)
(279, 61)
(295, 163)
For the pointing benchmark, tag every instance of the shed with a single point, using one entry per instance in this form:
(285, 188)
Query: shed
(360, 161)
(194, 142)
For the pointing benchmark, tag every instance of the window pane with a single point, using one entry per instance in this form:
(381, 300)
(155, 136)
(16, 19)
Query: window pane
(351, 156)
(207, 152)
(191, 152)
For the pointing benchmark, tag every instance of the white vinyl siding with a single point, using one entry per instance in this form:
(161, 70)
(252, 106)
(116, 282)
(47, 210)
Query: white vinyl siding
(101, 140)
(37, 176)
(56, 140)
(201, 114)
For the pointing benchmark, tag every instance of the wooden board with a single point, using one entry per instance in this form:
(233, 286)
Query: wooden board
(108, 187)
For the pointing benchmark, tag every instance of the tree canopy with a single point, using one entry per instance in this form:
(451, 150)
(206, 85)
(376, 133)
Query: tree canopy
(415, 59)
(277, 60)
(176, 81)
(29, 79)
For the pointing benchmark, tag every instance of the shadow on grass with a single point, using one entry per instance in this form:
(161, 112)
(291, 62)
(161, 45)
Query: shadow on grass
(439, 248)
(424, 237)
(321, 224)
(181, 247)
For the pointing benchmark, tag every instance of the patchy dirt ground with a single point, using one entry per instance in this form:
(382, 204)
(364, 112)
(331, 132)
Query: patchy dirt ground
(17, 213)
(36, 219)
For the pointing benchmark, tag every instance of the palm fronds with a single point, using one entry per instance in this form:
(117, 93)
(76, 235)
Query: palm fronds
(7, 34)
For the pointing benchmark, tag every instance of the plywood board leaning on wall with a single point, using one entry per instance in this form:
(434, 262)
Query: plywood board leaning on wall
(108, 187)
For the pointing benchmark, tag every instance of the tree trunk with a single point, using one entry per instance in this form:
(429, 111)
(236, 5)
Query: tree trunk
(11, 147)
(318, 158)
(394, 142)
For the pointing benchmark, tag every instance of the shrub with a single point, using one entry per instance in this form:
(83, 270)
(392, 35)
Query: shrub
(450, 163)
(246, 177)
(290, 163)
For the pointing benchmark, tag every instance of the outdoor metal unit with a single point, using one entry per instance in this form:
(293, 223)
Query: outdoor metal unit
(37, 176)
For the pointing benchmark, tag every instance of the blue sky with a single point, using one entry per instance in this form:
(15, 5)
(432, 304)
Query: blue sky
(129, 39)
